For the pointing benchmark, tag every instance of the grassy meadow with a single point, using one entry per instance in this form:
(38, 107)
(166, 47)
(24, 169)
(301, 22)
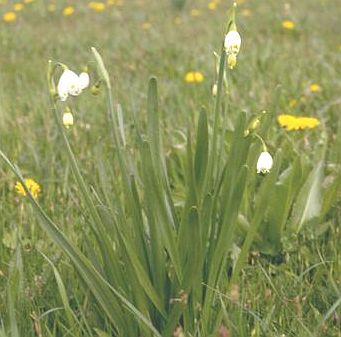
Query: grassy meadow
(149, 217)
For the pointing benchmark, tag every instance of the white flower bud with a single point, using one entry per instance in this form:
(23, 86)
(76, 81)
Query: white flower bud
(232, 42)
(264, 163)
(67, 119)
(214, 89)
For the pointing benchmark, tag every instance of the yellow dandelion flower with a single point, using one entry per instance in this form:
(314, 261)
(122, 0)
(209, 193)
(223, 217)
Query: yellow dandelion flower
(28, 1)
(31, 185)
(96, 6)
(293, 103)
(51, 7)
(291, 122)
(246, 12)
(69, 10)
(195, 12)
(189, 77)
(287, 121)
(146, 25)
(314, 88)
(9, 17)
(308, 122)
(199, 77)
(212, 5)
(178, 21)
(110, 2)
(288, 24)
(194, 77)
(18, 7)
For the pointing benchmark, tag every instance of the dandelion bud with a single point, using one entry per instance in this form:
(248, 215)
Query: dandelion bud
(67, 119)
(314, 88)
(231, 60)
(264, 163)
(232, 42)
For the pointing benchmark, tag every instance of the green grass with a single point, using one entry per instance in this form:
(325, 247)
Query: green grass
(162, 220)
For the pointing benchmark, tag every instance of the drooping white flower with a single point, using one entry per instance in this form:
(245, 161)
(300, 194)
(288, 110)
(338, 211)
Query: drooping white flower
(264, 163)
(63, 85)
(72, 84)
(232, 42)
(84, 80)
(69, 84)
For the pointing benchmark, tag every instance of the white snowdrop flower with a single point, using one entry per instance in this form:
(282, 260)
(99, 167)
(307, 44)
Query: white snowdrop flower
(75, 87)
(84, 80)
(232, 42)
(264, 163)
(63, 85)
(69, 84)
(67, 119)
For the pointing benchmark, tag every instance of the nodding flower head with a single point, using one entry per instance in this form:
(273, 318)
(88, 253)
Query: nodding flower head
(264, 163)
(232, 42)
(71, 84)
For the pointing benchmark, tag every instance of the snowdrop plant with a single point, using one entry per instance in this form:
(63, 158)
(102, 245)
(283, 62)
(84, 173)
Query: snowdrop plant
(157, 260)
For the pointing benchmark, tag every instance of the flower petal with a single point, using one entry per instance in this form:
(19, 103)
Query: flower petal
(84, 80)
